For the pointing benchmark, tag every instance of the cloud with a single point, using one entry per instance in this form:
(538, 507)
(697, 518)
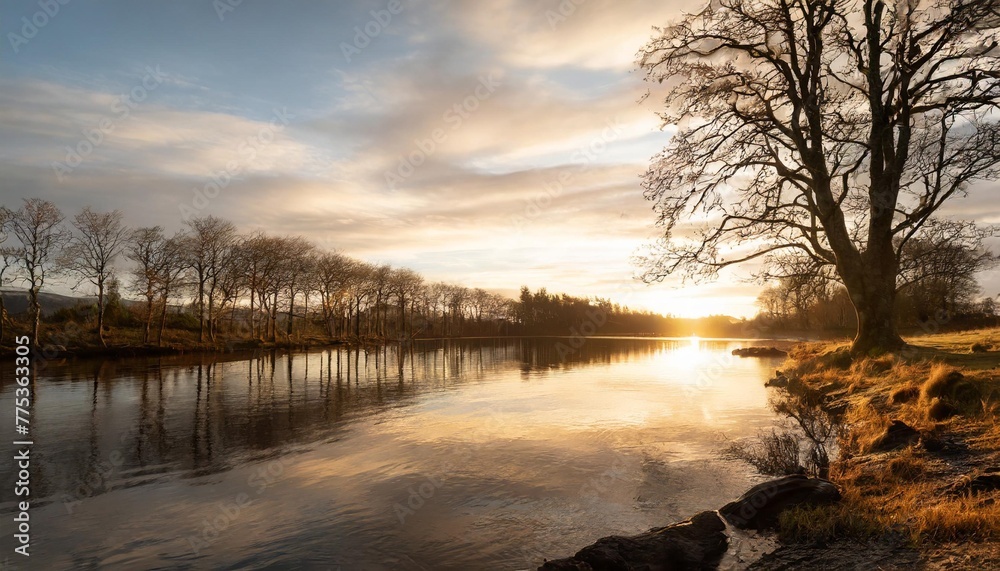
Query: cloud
(589, 34)
(534, 181)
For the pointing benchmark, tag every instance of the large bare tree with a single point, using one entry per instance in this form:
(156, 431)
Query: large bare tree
(37, 225)
(834, 128)
(90, 255)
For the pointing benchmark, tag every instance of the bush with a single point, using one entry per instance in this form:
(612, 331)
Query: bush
(940, 410)
(183, 320)
(79, 313)
(940, 382)
(774, 454)
(904, 394)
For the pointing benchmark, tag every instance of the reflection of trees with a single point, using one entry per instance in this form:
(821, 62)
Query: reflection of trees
(204, 413)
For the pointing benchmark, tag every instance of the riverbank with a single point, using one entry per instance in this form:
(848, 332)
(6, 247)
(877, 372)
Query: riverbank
(916, 469)
(129, 343)
(918, 460)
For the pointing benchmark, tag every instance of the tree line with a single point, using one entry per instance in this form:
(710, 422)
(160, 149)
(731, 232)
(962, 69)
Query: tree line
(271, 288)
(936, 283)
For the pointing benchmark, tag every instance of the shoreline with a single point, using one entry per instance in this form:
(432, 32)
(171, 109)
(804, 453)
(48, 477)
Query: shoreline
(917, 467)
(185, 346)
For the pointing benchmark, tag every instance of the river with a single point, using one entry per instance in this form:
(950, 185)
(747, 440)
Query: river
(463, 454)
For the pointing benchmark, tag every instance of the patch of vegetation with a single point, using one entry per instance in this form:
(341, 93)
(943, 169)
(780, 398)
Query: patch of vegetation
(774, 453)
(943, 392)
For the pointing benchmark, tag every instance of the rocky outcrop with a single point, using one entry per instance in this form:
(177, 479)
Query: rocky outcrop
(778, 381)
(759, 352)
(700, 542)
(697, 543)
(761, 505)
(897, 435)
(985, 482)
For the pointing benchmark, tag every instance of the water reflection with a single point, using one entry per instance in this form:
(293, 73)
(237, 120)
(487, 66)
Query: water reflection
(511, 431)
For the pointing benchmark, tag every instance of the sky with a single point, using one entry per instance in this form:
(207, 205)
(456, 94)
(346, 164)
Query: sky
(492, 144)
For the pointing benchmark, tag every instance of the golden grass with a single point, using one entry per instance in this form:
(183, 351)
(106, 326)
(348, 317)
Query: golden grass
(939, 387)
(940, 382)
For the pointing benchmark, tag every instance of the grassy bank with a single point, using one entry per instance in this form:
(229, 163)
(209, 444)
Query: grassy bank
(81, 341)
(923, 485)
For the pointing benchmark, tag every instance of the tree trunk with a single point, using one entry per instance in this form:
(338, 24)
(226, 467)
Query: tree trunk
(873, 292)
(163, 323)
(201, 309)
(100, 313)
(877, 331)
(149, 319)
(211, 314)
(37, 311)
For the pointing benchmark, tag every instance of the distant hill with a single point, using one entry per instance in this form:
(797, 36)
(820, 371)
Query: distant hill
(16, 301)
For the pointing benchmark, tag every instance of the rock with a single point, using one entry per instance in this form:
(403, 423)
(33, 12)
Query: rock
(940, 409)
(759, 352)
(944, 445)
(898, 435)
(778, 381)
(697, 543)
(888, 552)
(985, 482)
(988, 481)
(761, 505)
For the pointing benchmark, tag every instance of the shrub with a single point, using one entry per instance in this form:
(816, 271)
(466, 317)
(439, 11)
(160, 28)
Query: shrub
(904, 394)
(183, 320)
(940, 410)
(940, 382)
(774, 454)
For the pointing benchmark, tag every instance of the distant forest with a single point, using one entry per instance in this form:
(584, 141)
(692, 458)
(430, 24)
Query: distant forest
(211, 283)
(218, 283)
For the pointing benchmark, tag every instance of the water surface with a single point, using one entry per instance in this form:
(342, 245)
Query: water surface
(475, 454)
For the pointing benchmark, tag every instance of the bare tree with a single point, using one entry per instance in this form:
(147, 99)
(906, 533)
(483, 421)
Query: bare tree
(38, 227)
(8, 258)
(171, 265)
(147, 248)
(232, 282)
(938, 267)
(332, 278)
(296, 267)
(830, 127)
(99, 239)
(405, 285)
(208, 242)
(361, 290)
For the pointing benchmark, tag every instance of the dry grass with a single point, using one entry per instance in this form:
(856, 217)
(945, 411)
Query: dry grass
(939, 388)
(941, 382)
(904, 394)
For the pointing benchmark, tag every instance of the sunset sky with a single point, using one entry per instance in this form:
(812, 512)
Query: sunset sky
(492, 144)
